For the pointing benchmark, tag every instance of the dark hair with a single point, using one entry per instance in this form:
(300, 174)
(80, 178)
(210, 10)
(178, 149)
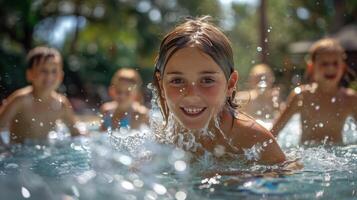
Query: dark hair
(38, 53)
(199, 33)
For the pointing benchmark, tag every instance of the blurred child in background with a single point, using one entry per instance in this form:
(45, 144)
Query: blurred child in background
(263, 100)
(126, 109)
(31, 112)
(323, 104)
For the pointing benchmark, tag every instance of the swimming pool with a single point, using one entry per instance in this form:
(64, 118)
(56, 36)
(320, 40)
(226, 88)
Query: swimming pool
(106, 167)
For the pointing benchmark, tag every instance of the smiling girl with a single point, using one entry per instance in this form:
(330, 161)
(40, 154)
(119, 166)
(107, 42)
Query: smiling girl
(195, 81)
(323, 104)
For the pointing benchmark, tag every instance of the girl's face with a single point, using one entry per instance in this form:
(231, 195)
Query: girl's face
(194, 87)
(328, 68)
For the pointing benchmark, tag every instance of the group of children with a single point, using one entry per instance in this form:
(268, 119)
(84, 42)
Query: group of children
(195, 80)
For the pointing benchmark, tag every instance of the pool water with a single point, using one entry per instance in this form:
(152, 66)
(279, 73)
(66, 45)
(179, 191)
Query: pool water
(130, 165)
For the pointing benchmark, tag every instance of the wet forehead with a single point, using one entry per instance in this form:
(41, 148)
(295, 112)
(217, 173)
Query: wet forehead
(328, 57)
(191, 59)
(49, 63)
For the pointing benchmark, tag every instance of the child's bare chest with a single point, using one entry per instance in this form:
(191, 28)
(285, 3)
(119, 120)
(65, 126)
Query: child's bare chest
(40, 114)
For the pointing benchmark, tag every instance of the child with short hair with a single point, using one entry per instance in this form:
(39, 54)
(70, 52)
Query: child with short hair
(323, 104)
(125, 110)
(31, 112)
(263, 101)
(196, 84)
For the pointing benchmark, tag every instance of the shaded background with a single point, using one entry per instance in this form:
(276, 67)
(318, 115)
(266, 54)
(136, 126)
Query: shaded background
(97, 37)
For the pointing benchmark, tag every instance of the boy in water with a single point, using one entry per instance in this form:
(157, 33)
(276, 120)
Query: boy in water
(323, 104)
(126, 109)
(31, 112)
(263, 100)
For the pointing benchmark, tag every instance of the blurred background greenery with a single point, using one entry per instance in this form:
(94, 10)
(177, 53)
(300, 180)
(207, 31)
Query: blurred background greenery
(96, 37)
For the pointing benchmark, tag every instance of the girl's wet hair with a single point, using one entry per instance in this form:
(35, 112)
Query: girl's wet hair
(199, 33)
(38, 53)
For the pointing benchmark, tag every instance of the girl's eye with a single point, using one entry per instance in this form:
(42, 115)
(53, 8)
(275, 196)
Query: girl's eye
(207, 80)
(176, 81)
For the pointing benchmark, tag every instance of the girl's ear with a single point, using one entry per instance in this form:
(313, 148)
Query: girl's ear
(232, 82)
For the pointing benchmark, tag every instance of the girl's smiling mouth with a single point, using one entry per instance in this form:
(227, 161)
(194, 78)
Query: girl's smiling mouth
(193, 111)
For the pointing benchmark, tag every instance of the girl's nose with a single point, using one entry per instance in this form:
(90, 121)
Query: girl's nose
(190, 89)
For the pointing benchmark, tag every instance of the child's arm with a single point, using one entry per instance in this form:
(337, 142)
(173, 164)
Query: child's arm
(69, 117)
(9, 109)
(290, 109)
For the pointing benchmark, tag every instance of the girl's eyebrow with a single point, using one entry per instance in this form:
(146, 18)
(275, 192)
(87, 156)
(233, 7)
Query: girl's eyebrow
(180, 73)
(174, 73)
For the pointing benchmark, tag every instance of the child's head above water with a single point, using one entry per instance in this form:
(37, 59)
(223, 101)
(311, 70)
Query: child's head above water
(125, 86)
(194, 73)
(44, 68)
(326, 61)
(261, 76)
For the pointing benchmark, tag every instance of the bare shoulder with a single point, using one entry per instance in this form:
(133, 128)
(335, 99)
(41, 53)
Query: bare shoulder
(60, 98)
(140, 109)
(20, 96)
(248, 132)
(349, 92)
(350, 95)
(108, 106)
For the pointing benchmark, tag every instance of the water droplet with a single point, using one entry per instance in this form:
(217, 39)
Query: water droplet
(180, 195)
(138, 183)
(180, 165)
(41, 124)
(33, 119)
(297, 90)
(259, 112)
(25, 192)
(333, 99)
(127, 185)
(317, 107)
(126, 113)
(300, 103)
(136, 117)
(75, 191)
(16, 120)
(321, 125)
(319, 194)
(259, 49)
(159, 189)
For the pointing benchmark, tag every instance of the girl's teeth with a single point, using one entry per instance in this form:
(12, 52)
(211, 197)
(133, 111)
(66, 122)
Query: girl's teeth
(193, 110)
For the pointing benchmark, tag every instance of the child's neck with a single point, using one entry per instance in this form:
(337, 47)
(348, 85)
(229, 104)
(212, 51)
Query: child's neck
(40, 95)
(120, 109)
(327, 89)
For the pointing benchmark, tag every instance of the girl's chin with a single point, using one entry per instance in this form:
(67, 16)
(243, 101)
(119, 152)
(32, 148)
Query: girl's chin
(191, 125)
